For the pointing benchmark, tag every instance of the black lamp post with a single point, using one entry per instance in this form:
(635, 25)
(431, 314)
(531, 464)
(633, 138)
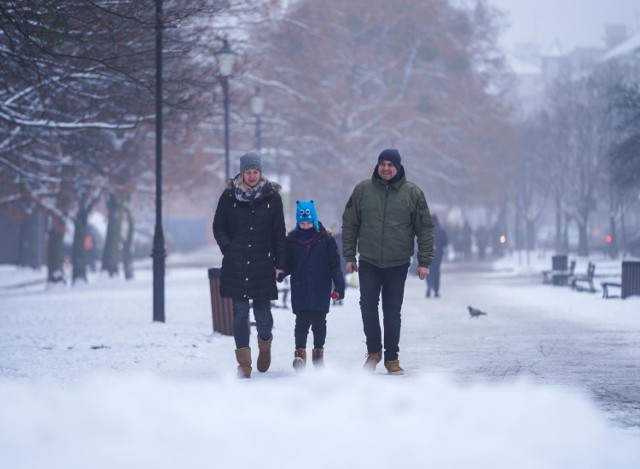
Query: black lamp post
(257, 108)
(226, 59)
(158, 252)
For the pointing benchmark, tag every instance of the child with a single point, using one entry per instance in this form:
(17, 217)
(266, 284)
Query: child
(314, 262)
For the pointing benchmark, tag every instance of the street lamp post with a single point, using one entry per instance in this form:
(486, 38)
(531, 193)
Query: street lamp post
(158, 252)
(226, 59)
(257, 108)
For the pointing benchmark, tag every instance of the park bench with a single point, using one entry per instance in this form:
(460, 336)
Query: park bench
(606, 286)
(584, 282)
(559, 277)
(629, 283)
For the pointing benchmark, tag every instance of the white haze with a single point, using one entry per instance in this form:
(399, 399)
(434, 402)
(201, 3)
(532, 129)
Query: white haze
(88, 381)
(573, 23)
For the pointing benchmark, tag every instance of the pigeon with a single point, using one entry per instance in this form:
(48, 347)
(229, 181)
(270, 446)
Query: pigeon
(475, 312)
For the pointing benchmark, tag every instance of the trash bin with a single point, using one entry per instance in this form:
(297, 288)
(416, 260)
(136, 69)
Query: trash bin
(630, 278)
(221, 308)
(560, 262)
(559, 266)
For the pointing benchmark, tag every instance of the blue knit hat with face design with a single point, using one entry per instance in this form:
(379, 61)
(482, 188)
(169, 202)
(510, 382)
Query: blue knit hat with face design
(306, 212)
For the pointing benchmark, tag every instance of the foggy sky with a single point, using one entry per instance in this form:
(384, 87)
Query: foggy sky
(572, 22)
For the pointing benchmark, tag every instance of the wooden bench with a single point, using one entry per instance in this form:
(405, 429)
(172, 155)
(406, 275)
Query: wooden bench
(606, 286)
(559, 277)
(584, 282)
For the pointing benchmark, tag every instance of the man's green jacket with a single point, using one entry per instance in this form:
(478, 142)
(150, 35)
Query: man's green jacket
(384, 220)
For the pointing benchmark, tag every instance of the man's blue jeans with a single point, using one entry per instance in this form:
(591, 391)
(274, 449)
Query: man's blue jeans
(262, 313)
(390, 281)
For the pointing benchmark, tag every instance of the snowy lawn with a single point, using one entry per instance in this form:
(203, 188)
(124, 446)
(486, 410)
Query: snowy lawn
(87, 380)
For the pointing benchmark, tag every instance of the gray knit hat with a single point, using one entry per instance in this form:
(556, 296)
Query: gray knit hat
(250, 160)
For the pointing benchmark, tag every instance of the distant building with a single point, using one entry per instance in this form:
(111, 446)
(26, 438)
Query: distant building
(535, 71)
(629, 49)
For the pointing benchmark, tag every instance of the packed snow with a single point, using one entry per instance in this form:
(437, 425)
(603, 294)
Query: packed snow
(549, 378)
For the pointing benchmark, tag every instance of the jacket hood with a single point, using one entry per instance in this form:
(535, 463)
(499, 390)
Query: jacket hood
(398, 180)
(274, 185)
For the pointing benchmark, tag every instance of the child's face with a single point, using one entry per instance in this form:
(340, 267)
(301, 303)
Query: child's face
(305, 225)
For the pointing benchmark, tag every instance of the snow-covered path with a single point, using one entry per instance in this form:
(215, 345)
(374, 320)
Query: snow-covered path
(549, 378)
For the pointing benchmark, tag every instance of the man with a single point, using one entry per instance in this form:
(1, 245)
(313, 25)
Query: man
(249, 228)
(383, 217)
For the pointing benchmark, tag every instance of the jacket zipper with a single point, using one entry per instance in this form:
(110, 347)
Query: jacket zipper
(384, 222)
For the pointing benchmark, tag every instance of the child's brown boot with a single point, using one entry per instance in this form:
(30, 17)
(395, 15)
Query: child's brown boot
(299, 359)
(317, 357)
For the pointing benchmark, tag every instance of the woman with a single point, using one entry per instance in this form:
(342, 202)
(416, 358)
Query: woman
(249, 228)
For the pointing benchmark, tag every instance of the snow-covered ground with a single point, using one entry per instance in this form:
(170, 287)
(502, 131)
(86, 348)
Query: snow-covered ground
(548, 379)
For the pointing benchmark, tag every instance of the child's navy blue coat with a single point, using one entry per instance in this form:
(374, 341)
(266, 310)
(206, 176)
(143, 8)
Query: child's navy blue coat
(313, 262)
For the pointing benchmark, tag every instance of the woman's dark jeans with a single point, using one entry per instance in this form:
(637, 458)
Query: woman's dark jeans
(262, 313)
(317, 320)
(390, 281)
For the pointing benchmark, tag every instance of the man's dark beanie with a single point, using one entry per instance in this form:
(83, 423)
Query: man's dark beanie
(392, 155)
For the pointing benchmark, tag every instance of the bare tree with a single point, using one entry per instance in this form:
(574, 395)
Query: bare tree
(350, 78)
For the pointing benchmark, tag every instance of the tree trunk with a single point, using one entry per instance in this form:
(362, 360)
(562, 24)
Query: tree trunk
(623, 233)
(530, 234)
(30, 248)
(55, 253)
(127, 246)
(583, 240)
(517, 232)
(559, 245)
(613, 244)
(111, 253)
(78, 252)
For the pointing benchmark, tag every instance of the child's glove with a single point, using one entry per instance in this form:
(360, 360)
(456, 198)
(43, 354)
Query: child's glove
(336, 295)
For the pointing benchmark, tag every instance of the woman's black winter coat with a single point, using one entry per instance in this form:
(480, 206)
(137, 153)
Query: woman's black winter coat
(252, 238)
(313, 267)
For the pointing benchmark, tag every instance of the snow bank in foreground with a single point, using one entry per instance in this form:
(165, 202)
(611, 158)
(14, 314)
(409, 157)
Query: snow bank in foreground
(327, 419)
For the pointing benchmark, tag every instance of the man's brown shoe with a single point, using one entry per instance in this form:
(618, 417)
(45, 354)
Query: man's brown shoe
(372, 361)
(393, 367)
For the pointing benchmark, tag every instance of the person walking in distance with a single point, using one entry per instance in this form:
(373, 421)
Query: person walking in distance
(382, 219)
(441, 241)
(248, 226)
(313, 260)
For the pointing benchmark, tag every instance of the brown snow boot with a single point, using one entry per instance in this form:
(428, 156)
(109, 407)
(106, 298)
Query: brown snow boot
(393, 367)
(243, 355)
(264, 357)
(317, 357)
(299, 359)
(372, 361)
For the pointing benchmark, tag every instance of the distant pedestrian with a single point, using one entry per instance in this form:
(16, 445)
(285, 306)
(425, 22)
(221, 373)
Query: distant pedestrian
(482, 240)
(313, 261)
(466, 240)
(383, 217)
(441, 241)
(249, 228)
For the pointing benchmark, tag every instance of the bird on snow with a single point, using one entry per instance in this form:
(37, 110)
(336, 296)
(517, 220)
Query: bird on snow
(475, 312)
